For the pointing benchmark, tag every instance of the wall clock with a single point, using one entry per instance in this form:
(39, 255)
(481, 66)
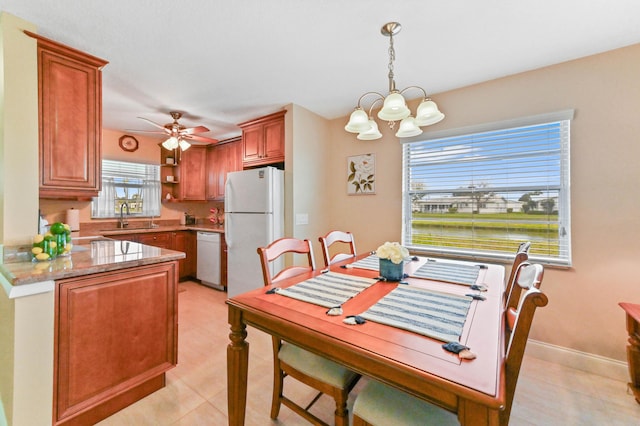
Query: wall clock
(128, 143)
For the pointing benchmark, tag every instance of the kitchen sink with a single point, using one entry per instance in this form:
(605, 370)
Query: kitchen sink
(129, 228)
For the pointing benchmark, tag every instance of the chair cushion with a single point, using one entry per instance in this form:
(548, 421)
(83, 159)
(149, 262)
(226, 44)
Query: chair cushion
(380, 405)
(315, 366)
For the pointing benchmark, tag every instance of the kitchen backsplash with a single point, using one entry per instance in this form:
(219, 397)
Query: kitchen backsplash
(56, 210)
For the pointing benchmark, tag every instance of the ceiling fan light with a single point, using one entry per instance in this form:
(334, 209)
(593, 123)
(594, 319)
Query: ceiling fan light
(371, 134)
(184, 145)
(428, 113)
(358, 122)
(171, 143)
(394, 108)
(408, 128)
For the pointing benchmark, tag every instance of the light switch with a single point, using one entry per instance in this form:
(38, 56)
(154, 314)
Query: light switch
(302, 219)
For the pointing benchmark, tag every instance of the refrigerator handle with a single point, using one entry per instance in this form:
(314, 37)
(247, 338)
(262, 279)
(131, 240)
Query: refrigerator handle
(227, 234)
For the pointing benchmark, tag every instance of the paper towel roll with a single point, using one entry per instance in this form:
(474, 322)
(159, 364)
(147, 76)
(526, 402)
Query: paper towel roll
(73, 219)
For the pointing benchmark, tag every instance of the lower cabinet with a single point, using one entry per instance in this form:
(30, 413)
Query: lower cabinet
(223, 261)
(184, 241)
(157, 239)
(116, 334)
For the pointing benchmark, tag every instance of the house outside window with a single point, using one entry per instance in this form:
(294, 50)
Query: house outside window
(479, 192)
(136, 184)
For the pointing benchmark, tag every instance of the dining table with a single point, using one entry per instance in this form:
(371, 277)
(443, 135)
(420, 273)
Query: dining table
(406, 359)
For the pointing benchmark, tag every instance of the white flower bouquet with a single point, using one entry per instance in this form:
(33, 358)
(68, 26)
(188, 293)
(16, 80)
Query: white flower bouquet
(392, 251)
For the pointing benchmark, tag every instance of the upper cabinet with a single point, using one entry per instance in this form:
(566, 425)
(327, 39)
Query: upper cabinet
(184, 176)
(193, 163)
(263, 140)
(222, 158)
(70, 116)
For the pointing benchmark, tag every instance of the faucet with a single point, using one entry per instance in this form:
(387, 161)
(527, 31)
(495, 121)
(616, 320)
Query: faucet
(124, 222)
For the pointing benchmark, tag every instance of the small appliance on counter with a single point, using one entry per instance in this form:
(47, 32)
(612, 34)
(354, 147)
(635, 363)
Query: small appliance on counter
(189, 219)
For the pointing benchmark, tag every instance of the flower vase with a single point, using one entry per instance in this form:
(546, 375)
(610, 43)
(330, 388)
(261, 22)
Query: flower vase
(391, 271)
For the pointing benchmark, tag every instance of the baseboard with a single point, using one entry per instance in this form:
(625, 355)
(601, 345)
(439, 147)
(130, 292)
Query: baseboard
(583, 361)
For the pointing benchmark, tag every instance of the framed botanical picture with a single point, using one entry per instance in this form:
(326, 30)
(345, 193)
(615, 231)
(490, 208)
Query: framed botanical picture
(361, 174)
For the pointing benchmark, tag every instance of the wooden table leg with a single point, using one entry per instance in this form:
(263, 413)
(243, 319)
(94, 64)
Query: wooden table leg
(237, 367)
(474, 413)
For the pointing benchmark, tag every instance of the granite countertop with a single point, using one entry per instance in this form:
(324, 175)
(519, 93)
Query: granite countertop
(162, 228)
(90, 255)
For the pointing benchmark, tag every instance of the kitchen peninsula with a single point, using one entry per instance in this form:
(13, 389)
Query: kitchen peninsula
(88, 334)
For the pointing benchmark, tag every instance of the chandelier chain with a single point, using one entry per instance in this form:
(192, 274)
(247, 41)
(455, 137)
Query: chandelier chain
(392, 57)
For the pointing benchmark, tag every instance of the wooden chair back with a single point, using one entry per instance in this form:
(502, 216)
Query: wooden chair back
(279, 248)
(522, 255)
(337, 237)
(517, 339)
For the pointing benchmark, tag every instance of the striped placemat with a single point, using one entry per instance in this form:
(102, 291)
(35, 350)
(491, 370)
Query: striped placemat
(449, 272)
(370, 262)
(328, 290)
(427, 312)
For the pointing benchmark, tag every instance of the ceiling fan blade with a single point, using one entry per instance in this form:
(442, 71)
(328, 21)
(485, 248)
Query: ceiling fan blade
(192, 130)
(155, 132)
(196, 138)
(160, 126)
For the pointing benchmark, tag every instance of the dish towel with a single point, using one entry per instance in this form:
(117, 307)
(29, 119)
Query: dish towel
(430, 313)
(329, 290)
(449, 272)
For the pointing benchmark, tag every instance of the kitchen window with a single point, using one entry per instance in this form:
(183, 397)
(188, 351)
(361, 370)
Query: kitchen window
(479, 192)
(136, 184)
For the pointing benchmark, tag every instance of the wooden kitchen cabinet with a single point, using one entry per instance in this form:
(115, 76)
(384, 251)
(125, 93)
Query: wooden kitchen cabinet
(263, 140)
(222, 158)
(115, 335)
(223, 260)
(192, 174)
(70, 121)
(156, 239)
(185, 241)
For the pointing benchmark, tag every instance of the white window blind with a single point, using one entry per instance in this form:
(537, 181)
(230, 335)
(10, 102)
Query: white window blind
(136, 184)
(481, 194)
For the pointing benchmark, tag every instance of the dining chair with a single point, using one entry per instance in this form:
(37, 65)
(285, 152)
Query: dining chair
(379, 404)
(527, 276)
(522, 255)
(326, 376)
(339, 238)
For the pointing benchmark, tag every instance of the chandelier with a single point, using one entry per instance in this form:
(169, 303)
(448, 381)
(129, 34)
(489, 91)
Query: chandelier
(394, 106)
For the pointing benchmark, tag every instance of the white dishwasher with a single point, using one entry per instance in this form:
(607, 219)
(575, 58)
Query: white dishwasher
(208, 266)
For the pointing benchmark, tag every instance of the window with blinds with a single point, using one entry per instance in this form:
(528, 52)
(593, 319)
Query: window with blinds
(136, 184)
(480, 194)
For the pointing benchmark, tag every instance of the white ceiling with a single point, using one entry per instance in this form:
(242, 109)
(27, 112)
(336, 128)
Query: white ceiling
(224, 62)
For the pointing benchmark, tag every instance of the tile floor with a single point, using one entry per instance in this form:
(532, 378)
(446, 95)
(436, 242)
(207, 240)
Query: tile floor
(547, 393)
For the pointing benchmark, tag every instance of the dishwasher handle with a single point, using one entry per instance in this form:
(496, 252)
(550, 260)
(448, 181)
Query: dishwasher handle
(213, 237)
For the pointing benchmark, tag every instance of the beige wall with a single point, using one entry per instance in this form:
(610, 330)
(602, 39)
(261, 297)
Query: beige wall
(307, 157)
(26, 331)
(605, 171)
(18, 131)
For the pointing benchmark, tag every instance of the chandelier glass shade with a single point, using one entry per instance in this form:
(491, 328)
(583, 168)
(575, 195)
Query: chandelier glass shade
(394, 107)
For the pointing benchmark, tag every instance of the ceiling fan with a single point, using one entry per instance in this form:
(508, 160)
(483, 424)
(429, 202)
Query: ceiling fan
(179, 135)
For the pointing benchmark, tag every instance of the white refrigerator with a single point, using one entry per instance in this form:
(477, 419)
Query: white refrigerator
(254, 217)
